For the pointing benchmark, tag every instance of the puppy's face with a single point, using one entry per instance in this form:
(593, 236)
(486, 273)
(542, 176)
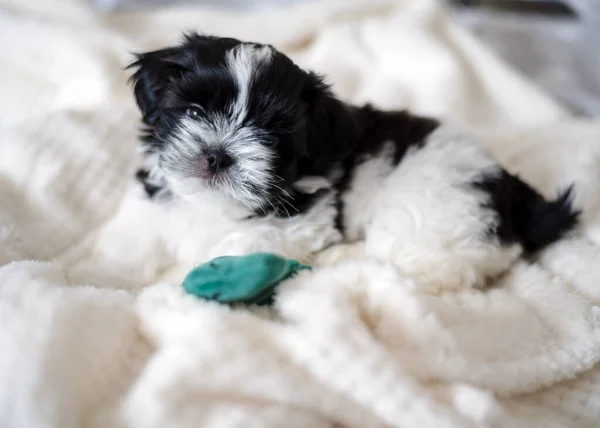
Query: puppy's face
(236, 118)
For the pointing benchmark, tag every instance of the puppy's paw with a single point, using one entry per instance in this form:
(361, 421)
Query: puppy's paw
(251, 240)
(339, 253)
(154, 188)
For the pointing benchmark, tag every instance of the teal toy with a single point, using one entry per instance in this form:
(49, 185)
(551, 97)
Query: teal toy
(247, 279)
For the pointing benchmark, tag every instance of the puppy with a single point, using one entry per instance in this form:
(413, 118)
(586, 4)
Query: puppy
(263, 156)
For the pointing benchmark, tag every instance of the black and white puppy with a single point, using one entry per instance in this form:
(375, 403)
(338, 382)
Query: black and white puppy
(263, 156)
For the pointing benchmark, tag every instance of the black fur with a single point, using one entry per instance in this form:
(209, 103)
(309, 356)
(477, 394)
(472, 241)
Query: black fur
(160, 83)
(524, 215)
(298, 116)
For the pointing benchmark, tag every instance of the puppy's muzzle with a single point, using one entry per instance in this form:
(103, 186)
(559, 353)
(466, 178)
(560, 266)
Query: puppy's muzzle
(214, 162)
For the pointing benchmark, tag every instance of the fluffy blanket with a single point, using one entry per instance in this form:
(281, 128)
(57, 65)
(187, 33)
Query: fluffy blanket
(95, 330)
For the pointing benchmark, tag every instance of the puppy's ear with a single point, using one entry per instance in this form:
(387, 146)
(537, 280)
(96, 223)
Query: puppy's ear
(333, 129)
(154, 72)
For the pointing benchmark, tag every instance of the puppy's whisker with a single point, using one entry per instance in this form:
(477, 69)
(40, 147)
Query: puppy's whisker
(285, 201)
(275, 210)
(279, 201)
(286, 193)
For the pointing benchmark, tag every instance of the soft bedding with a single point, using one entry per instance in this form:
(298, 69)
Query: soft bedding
(96, 331)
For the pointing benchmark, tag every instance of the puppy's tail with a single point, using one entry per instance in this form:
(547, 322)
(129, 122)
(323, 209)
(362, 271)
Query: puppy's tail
(526, 216)
(538, 222)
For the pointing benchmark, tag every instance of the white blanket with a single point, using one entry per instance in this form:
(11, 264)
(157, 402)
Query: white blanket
(96, 332)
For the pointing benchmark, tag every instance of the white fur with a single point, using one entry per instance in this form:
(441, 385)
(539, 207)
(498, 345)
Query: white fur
(212, 225)
(252, 161)
(242, 61)
(426, 217)
(359, 200)
(311, 184)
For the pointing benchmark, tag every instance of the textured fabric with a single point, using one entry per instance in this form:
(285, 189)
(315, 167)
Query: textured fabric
(96, 330)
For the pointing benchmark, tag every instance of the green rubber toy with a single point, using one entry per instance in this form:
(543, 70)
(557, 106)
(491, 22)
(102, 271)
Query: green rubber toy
(247, 279)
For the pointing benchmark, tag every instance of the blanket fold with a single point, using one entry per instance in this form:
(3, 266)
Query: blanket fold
(97, 331)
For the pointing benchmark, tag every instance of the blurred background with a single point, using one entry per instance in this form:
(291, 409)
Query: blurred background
(553, 42)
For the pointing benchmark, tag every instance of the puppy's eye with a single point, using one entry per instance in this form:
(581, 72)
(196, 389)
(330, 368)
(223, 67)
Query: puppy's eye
(193, 111)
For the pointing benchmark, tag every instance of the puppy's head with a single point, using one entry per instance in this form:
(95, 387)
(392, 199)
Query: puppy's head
(237, 118)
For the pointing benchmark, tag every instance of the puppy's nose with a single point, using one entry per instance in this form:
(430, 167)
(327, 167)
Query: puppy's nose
(218, 161)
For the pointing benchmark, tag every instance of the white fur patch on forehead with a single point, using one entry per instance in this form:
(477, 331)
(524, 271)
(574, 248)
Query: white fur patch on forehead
(243, 61)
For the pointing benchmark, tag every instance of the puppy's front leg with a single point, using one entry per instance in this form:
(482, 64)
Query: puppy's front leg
(250, 239)
(339, 253)
(298, 237)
